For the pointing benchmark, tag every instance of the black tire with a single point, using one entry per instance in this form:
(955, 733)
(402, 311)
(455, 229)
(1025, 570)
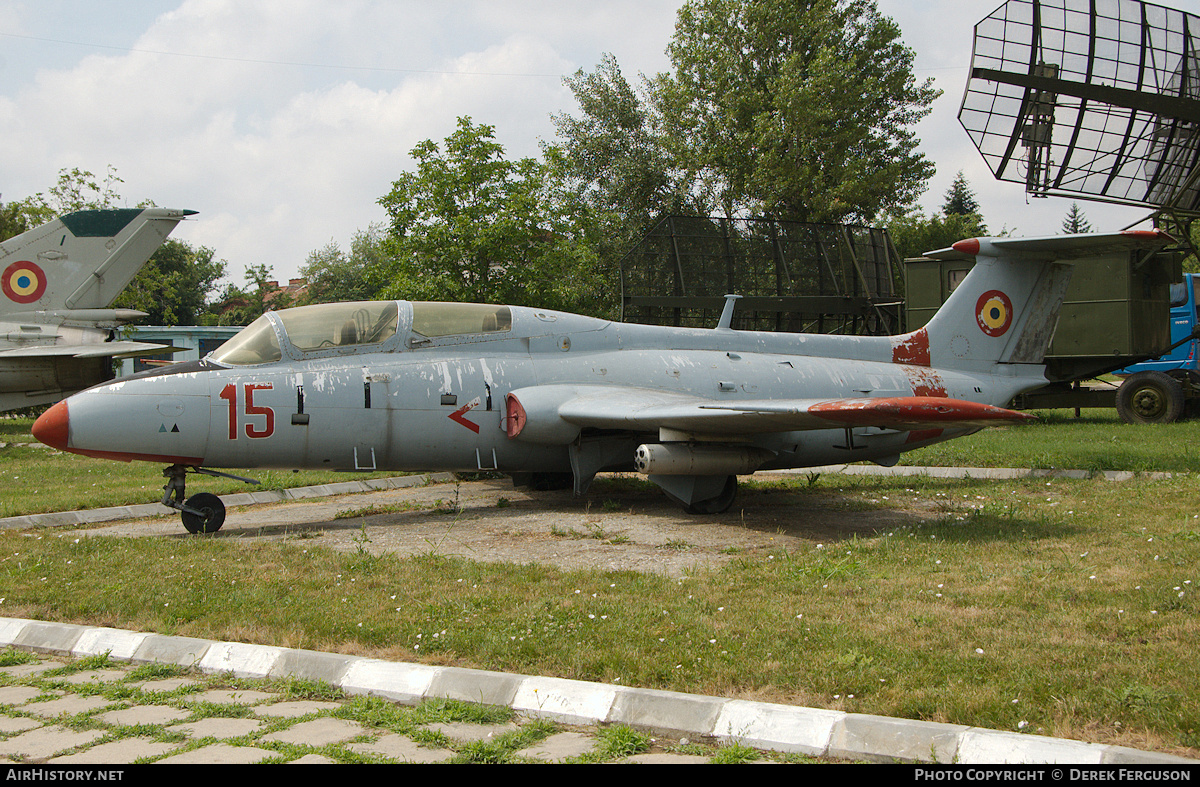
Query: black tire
(212, 510)
(719, 504)
(1150, 398)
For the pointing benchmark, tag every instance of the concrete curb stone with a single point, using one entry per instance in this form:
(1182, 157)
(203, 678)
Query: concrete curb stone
(776, 727)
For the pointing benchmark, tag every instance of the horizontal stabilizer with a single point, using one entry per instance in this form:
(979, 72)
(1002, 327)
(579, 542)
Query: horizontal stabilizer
(540, 414)
(100, 350)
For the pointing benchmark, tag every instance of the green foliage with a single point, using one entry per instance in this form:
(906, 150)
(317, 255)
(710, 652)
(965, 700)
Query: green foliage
(334, 275)
(796, 110)
(913, 233)
(472, 226)
(173, 287)
(960, 199)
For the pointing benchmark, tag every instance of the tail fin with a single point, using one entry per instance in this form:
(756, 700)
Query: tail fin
(82, 260)
(1005, 310)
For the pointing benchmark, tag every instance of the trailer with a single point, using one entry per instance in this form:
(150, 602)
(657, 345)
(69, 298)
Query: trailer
(1131, 316)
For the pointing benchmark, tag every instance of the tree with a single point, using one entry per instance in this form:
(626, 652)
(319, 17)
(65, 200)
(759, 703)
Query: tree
(174, 285)
(237, 306)
(334, 275)
(960, 199)
(76, 189)
(913, 233)
(471, 225)
(799, 110)
(1075, 222)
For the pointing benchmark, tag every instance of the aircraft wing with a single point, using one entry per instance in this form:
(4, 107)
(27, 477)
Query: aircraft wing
(103, 349)
(647, 411)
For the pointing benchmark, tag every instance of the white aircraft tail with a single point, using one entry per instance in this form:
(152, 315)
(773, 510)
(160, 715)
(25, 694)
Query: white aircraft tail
(1006, 309)
(81, 260)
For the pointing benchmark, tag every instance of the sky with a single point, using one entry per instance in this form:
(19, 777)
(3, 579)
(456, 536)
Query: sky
(284, 121)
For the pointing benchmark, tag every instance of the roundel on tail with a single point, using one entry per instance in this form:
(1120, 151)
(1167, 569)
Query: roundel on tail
(994, 312)
(23, 282)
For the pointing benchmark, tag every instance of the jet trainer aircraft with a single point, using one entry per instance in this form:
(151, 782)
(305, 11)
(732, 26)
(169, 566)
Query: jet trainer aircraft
(395, 385)
(56, 284)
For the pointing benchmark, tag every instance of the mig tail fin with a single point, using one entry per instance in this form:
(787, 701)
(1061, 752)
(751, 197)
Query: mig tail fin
(82, 260)
(1005, 310)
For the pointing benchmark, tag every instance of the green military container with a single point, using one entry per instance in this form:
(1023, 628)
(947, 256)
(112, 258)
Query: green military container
(1116, 312)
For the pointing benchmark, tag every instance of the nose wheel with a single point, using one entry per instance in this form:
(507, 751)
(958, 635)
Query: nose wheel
(203, 512)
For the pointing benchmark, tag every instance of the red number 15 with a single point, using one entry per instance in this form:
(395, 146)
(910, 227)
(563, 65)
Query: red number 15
(229, 394)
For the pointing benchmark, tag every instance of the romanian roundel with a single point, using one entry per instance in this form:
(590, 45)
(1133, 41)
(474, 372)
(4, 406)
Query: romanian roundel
(23, 282)
(994, 312)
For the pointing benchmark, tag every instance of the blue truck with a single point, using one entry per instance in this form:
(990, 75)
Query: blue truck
(1166, 388)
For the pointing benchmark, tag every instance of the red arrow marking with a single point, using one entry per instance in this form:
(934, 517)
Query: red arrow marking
(459, 415)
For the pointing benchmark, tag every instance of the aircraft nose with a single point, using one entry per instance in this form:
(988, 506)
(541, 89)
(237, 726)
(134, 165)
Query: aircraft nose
(53, 426)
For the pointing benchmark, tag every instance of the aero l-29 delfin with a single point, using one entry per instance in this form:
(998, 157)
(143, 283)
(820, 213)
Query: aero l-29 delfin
(547, 396)
(57, 334)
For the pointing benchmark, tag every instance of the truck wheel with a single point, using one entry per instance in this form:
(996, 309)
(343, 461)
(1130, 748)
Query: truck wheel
(1150, 398)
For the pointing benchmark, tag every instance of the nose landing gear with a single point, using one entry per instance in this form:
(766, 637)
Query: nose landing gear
(202, 512)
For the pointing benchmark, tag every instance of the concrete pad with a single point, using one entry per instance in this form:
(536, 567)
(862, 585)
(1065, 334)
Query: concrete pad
(884, 739)
(231, 697)
(981, 747)
(220, 754)
(666, 710)
(165, 685)
(403, 683)
(33, 668)
(464, 732)
(19, 695)
(313, 759)
(122, 752)
(401, 748)
(292, 710)
(663, 758)
(779, 727)
(567, 701)
(48, 741)
(319, 732)
(143, 714)
(69, 705)
(560, 747)
(93, 676)
(11, 724)
(218, 727)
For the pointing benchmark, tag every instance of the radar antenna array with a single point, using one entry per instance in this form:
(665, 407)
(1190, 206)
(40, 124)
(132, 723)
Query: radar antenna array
(1097, 99)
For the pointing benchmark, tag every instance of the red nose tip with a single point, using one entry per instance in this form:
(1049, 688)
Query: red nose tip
(52, 427)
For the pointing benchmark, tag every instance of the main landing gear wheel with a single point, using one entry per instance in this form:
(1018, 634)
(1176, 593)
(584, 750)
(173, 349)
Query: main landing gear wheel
(203, 513)
(719, 504)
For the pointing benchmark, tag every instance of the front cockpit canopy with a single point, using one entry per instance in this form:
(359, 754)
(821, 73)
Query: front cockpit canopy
(311, 328)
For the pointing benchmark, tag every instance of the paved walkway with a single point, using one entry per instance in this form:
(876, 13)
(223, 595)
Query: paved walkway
(110, 696)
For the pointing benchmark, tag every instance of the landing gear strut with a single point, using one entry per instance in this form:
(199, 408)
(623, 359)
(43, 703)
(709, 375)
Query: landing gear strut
(201, 513)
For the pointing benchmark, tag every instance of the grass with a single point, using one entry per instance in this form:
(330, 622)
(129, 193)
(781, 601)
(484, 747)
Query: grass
(1052, 607)
(1098, 440)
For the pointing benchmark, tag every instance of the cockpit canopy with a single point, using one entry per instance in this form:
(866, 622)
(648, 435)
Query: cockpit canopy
(328, 326)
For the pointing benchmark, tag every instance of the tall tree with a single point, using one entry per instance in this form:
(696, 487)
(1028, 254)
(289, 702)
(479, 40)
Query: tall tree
(800, 109)
(960, 198)
(1075, 222)
(472, 225)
